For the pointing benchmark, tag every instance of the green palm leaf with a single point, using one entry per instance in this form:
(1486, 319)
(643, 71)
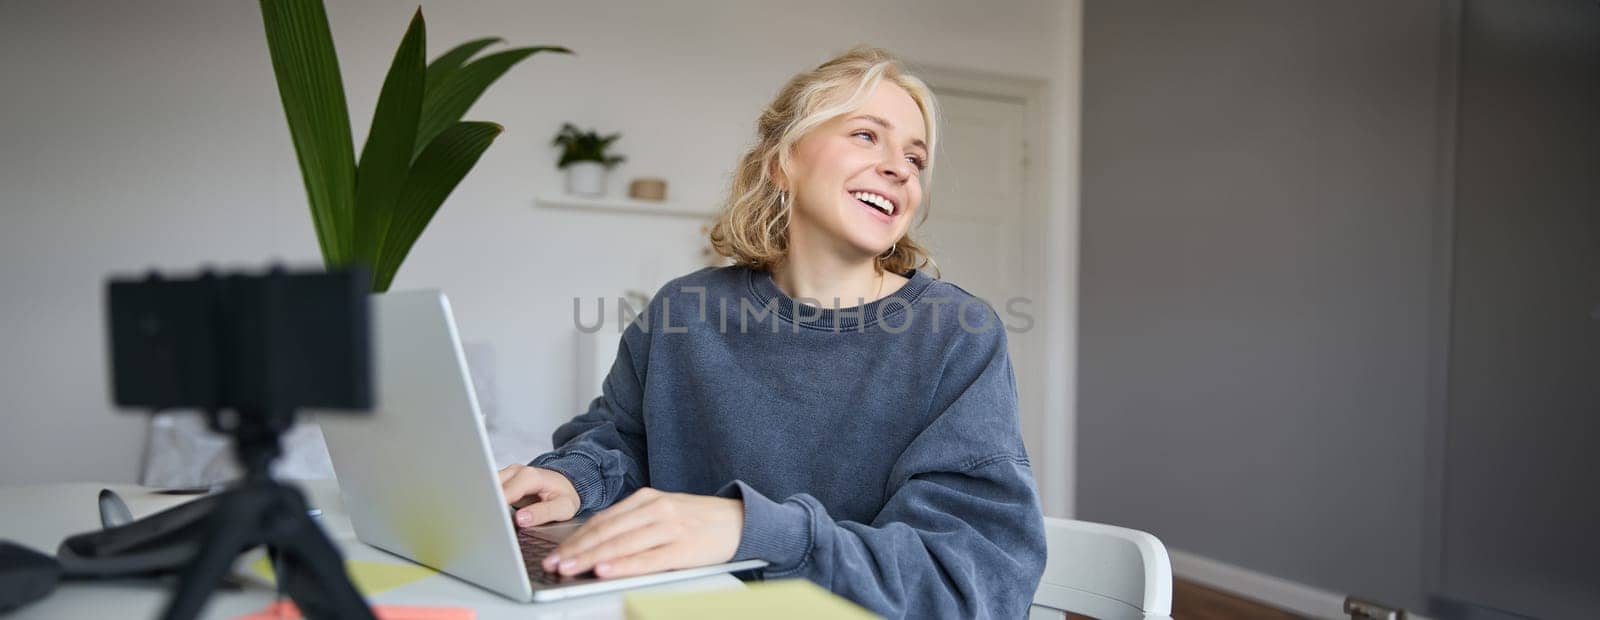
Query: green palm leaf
(448, 62)
(307, 70)
(386, 158)
(458, 90)
(417, 149)
(436, 172)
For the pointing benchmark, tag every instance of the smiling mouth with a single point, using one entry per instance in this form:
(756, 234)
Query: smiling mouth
(875, 202)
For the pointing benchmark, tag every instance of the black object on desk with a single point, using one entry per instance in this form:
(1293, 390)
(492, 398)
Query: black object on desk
(249, 350)
(25, 575)
(159, 544)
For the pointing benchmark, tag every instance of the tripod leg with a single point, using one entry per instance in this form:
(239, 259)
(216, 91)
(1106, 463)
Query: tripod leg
(230, 530)
(313, 565)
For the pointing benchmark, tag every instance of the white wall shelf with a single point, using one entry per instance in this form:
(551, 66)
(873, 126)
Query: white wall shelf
(624, 205)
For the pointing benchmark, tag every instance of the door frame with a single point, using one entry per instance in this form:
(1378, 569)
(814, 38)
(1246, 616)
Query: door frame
(1441, 281)
(1054, 318)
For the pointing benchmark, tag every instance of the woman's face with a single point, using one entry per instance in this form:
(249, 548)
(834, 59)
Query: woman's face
(877, 149)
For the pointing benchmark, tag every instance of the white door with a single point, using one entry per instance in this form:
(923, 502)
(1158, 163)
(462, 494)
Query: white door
(976, 227)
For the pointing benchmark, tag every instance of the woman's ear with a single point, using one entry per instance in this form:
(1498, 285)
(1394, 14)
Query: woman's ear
(779, 179)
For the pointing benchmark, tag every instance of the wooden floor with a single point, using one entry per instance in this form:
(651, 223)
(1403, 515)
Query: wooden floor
(1192, 601)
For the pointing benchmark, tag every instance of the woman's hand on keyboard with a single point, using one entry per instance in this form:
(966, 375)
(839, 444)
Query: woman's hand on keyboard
(541, 495)
(652, 531)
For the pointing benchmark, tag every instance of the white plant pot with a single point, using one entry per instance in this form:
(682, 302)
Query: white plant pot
(586, 178)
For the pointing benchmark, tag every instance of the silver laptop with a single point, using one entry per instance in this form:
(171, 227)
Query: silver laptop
(417, 477)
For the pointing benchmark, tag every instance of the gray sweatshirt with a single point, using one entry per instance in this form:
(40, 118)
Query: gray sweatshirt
(876, 447)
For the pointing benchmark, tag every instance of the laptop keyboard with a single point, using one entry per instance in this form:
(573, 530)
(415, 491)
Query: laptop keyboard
(534, 550)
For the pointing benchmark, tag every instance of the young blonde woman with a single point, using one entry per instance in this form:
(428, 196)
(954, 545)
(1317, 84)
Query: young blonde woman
(824, 403)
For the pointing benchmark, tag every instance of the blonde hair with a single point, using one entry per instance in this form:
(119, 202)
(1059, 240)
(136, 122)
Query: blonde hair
(753, 227)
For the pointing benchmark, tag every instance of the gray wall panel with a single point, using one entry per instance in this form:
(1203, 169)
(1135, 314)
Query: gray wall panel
(1258, 178)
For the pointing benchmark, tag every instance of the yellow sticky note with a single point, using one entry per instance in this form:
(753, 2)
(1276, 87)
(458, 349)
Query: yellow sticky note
(370, 578)
(773, 600)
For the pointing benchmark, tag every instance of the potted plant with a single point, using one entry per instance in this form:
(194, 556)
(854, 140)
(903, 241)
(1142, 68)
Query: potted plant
(583, 157)
(418, 149)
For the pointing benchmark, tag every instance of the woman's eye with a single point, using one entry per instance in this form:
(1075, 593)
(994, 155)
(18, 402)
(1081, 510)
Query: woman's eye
(915, 161)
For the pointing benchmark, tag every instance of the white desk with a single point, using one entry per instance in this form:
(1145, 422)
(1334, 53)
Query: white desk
(41, 516)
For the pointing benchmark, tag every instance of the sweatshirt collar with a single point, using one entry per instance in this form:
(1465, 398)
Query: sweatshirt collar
(851, 316)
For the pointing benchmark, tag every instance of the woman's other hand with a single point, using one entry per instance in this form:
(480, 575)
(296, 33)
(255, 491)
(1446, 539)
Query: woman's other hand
(541, 495)
(652, 531)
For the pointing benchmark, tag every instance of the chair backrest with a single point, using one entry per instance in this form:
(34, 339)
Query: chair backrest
(1104, 571)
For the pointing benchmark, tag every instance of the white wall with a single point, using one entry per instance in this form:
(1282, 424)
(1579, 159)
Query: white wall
(138, 135)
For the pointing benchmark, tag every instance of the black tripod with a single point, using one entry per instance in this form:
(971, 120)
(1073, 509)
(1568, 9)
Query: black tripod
(258, 347)
(258, 510)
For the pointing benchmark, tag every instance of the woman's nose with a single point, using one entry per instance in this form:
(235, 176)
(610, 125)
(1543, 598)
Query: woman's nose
(895, 168)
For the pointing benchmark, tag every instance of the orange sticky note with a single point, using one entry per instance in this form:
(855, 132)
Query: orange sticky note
(285, 610)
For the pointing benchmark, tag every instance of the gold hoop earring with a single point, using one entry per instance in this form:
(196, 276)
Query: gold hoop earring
(892, 248)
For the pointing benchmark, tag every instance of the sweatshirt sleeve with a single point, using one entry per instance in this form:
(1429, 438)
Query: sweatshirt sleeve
(962, 533)
(602, 451)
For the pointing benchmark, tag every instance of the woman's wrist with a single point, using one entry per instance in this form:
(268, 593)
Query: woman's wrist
(585, 476)
(778, 533)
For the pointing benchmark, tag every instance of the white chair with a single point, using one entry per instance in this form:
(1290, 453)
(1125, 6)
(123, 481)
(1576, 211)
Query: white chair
(1104, 572)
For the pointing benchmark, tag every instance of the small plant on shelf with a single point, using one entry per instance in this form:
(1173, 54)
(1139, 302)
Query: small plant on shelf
(584, 158)
(581, 145)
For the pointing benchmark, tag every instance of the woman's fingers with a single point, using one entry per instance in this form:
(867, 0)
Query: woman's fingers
(548, 511)
(599, 522)
(540, 495)
(621, 546)
(525, 485)
(628, 504)
(518, 483)
(650, 561)
(652, 531)
(638, 510)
